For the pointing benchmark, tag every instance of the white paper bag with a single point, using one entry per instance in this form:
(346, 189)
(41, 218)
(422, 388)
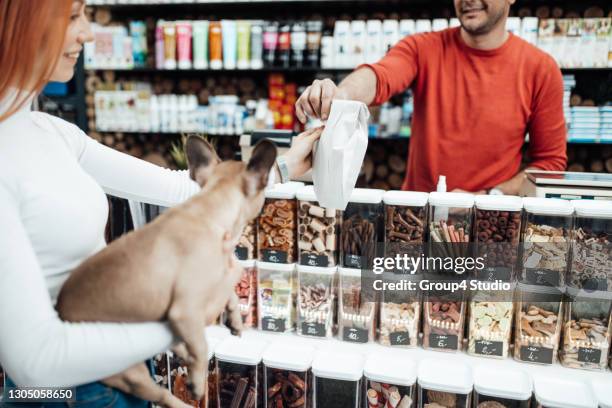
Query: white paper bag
(339, 153)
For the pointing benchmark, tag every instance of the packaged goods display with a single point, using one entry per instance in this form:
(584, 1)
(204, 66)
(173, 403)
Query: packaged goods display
(405, 223)
(539, 313)
(276, 302)
(591, 266)
(239, 377)
(490, 327)
(277, 225)
(443, 323)
(506, 388)
(586, 331)
(337, 379)
(562, 392)
(389, 382)
(444, 384)
(589, 122)
(318, 230)
(245, 249)
(287, 377)
(356, 313)
(450, 224)
(362, 221)
(400, 315)
(246, 289)
(316, 301)
(546, 241)
(497, 231)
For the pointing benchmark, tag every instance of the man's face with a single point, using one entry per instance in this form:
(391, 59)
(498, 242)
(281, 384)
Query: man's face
(478, 17)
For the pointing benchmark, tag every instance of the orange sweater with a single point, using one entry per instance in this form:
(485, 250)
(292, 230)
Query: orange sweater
(472, 109)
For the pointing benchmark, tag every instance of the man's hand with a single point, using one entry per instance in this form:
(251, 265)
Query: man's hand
(299, 156)
(316, 100)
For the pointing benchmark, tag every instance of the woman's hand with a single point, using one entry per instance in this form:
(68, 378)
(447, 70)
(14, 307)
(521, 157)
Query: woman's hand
(299, 156)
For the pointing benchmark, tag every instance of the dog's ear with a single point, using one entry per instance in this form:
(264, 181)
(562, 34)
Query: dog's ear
(201, 158)
(258, 168)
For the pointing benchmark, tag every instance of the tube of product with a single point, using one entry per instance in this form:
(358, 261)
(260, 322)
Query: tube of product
(183, 39)
(256, 45)
(328, 51)
(374, 43)
(284, 45)
(298, 44)
(342, 43)
(313, 42)
(390, 34)
(244, 41)
(228, 28)
(216, 47)
(406, 28)
(159, 45)
(169, 45)
(270, 42)
(358, 42)
(138, 32)
(439, 24)
(423, 26)
(200, 44)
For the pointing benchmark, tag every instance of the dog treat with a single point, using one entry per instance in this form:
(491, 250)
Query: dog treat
(245, 249)
(276, 297)
(356, 315)
(490, 328)
(440, 399)
(277, 231)
(246, 289)
(591, 266)
(160, 370)
(315, 301)
(546, 240)
(286, 388)
(537, 331)
(443, 324)
(179, 376)
(545, 248)
(382, 395)
(405, 223)
(237, 385)
(497, 233)
(317, 234)
(399, 323)
(586, 334)
(450, 224)
(361, 225)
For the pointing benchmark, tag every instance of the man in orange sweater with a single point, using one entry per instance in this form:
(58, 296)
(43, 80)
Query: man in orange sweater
(477, 91)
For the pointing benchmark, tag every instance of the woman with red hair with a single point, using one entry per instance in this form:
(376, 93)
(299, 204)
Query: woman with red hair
(53, 212)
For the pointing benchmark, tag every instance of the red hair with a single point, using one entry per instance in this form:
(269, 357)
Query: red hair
(31, 38)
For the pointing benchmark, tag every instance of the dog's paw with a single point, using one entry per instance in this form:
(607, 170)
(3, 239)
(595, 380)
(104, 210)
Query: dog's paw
(197, 390)
(233, 319)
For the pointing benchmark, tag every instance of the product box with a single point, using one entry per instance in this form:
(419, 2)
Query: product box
(603, 40)
(559, 40)
(588, 47)
(545, 36)
(573, 55)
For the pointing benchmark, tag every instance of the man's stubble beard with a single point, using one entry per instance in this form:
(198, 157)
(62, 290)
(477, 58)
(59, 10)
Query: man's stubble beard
(486, 27)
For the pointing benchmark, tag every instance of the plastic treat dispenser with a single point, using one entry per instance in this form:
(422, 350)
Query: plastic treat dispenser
(564, 392)
(389, 381)
(287, 376)
(318, 230)
(356, 312)
(277, 224)
(246, 289)
(592, 246)
(505, 388)
(276, 302)
(362, 223)
(239, 374)
(444, 384)
(545, 238)
(337, 379)
(316, 301)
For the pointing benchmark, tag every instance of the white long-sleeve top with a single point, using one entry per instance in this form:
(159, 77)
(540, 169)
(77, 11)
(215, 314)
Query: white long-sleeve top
(53, 213)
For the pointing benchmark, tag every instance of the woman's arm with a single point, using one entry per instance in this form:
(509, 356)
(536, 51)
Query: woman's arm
(38, 349)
